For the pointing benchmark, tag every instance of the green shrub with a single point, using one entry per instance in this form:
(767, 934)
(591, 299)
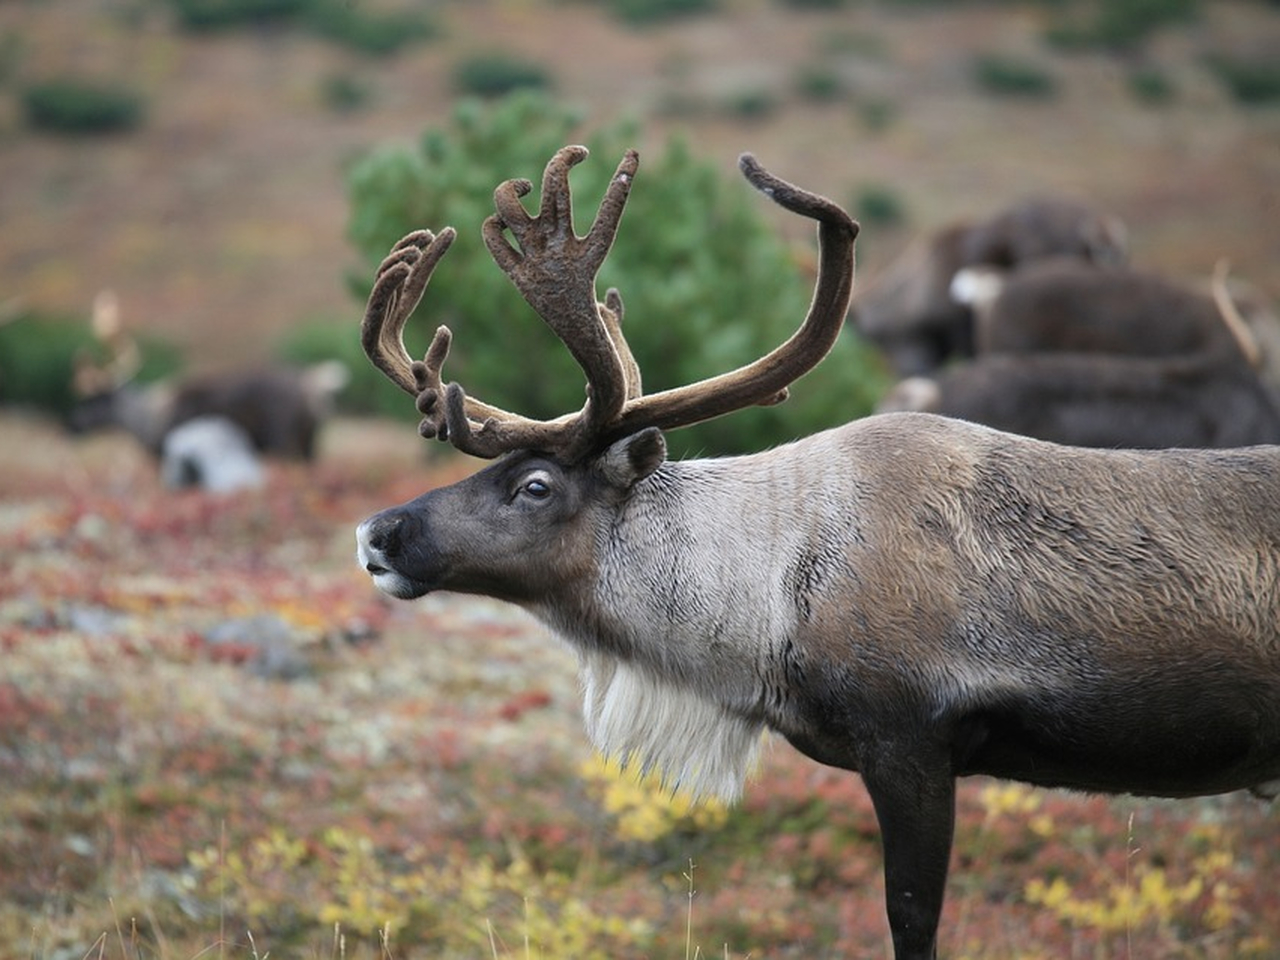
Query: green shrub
(655, 11)
(877, 114)
(344, 93)
(1151, 85)
(36, 361)
(79, 106)
(377, 34)
(1011, 76)
(879, 206)
(1117, 24)
(343, 22)
(38, 355)
(208, 15)
(1249, 81)
(819, 83)
(496, 74)
(707, 282)
(754, 103)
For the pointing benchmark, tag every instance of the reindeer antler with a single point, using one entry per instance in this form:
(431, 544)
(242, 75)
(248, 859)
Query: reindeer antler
(121, 357)
(555, 271)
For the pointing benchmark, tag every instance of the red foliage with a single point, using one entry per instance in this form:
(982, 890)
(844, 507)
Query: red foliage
(517, 706)
(447, 733)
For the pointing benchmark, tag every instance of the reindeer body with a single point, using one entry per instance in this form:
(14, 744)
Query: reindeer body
(1100, 400)
(1068, 306)
(908, 596)
(909, 310)
(280, 409)
(1062, 616)
(1104, 357)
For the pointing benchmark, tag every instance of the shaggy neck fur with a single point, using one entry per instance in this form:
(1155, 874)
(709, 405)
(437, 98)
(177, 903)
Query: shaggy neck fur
(690, 629)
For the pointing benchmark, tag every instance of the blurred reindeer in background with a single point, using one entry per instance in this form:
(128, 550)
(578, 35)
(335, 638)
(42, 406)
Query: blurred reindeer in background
(196, 425)
(909, 309)
(1076, 353)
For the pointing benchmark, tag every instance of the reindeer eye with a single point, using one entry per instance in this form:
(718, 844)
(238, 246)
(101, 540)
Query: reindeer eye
(537, 488)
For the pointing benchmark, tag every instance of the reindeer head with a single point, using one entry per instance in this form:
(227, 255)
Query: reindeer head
(100, 376)
(560, 477)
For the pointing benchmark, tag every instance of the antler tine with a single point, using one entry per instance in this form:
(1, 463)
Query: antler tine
(472, 425)
(555, 272)
(401, 279)
(123, 356)
(611, 315)
(765, 381)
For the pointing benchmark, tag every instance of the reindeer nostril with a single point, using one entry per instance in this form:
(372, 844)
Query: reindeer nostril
(384, 534)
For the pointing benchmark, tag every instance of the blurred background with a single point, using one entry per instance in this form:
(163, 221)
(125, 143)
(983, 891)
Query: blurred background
(215, 735)
(232, 169)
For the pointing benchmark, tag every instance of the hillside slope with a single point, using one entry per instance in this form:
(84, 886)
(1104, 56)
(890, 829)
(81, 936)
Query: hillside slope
(221, 221)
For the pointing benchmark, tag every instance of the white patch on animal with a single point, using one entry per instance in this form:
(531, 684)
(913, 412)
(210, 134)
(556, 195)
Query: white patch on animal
(212, 453)
(640, 720)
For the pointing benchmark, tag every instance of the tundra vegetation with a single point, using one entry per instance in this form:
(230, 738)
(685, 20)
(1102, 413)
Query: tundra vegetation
(424, 777)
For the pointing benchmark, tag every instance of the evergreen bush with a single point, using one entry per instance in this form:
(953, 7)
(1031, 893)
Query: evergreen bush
(1250, 82)
(38, 355)
(339, 21)
(1116, 24)
(496, 74)
(642, 12)
(209, 15)
(706, 280)
(880, 205)
(70, 105)
(376, 34)
(1152, 86)
(1012, 76)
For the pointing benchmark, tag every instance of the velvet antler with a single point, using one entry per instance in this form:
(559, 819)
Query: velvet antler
(555, 271)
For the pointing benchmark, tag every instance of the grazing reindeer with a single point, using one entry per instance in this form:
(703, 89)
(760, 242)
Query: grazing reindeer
(279, 409)
(907, 596)
(1063, 305)
(909, 310)
(1102, 400)
(1104, 357)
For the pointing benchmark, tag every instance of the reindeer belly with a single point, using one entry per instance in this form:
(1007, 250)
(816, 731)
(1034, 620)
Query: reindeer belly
(1185, 733)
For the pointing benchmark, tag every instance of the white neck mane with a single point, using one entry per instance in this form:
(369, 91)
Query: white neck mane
(640, 720)
(678, 638)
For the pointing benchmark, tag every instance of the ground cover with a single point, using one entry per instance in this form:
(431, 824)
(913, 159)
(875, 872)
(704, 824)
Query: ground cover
(216, 739)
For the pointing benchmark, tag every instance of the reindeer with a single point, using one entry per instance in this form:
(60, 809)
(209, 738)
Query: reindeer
(1066, 305)
(279, 409)
(1104, 357)
(907, 596)
(910, 312)
(1102, 400)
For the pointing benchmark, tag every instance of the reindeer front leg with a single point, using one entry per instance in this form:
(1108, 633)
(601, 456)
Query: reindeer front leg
(914, 800)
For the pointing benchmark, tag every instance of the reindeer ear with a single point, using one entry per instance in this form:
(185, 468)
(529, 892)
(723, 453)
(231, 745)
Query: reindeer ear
(633, 458)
